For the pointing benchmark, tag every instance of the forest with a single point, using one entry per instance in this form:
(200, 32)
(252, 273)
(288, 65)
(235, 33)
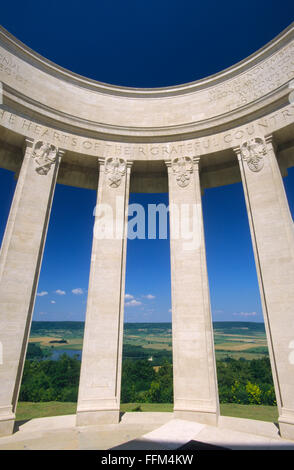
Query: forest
(239, 380)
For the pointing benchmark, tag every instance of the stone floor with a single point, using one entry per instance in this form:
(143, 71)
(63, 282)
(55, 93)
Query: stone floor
(150, 431)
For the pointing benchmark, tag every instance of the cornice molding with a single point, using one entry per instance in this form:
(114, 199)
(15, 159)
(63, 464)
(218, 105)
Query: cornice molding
(35, 59)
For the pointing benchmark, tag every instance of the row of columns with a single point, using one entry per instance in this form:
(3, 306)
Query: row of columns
(195, 382)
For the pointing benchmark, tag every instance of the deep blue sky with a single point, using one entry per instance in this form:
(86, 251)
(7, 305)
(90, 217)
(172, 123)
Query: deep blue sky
(146, 44)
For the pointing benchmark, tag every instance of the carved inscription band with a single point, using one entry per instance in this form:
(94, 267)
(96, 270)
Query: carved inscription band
(252, 151)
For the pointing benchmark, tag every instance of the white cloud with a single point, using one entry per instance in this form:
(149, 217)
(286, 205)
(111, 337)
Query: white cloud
(78, 291)
(149, 296)
(245, 314)
(41, 294)
(53, 302)
(60, 292)
(133, 303)
(129, 296)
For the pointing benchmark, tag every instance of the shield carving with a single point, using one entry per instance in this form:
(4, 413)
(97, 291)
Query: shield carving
(115, 168)
(253, 152)
(182, 168)
(44, 155)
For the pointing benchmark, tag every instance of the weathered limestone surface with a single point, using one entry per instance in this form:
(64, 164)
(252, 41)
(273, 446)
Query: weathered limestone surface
(195, 383)
(191, 125)
(20, 263)
(107, 108)
(99, 392)
(272, 235)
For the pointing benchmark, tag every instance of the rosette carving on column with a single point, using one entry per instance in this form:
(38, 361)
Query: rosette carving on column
(253, 151)
(45, 156)
(182, 168)
(115, 168)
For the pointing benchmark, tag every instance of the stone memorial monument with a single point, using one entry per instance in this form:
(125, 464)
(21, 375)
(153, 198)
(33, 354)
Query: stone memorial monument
(59, 127)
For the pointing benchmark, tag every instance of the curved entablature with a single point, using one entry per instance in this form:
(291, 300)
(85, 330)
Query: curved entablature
(89, 120)
(52, 96)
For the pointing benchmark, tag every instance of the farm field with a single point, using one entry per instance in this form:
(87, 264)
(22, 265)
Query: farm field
(234, 339)
(29, 410)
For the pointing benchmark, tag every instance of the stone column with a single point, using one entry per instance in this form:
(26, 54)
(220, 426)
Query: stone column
(195, 382)
(20, 262)
(272, 236)
(100, 381)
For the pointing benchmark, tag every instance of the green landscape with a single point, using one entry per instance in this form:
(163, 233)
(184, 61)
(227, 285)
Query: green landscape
(154, 340)
(52, 368)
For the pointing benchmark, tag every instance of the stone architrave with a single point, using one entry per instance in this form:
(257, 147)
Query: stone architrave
(195, 382)
(20, 262)
(272, 236)
(100, 381)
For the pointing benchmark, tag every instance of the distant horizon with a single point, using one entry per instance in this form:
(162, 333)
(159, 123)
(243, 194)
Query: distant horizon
(143, 322)
(165, 52)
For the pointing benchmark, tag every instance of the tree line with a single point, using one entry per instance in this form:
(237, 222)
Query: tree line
(239, 380)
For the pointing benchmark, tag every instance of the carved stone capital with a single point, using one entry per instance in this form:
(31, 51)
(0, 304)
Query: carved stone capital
(115, 169)
(196, 161)
(28, 144)
(44, 155)
(182, 168)
(129, 164)
(271, 143)
(253, 151)
(101, 162)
